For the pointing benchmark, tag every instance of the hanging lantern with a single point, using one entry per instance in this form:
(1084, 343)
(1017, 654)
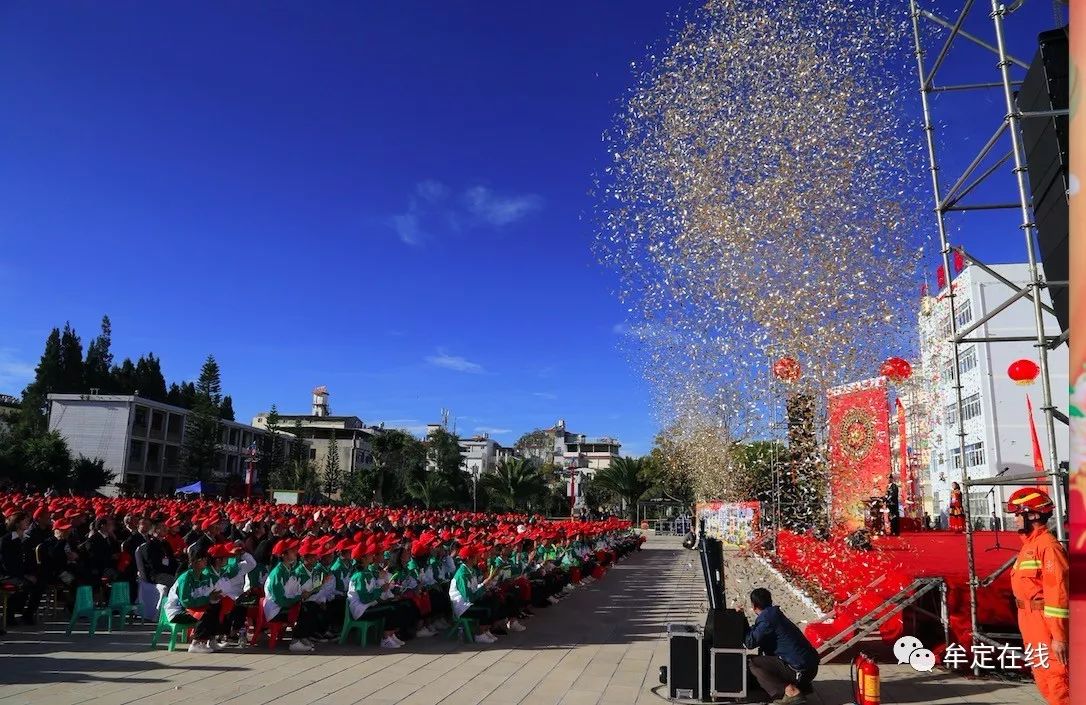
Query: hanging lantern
(1023, 371)
(896, 369)
(787, 369)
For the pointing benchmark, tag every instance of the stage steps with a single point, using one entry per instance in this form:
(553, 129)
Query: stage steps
(870, 622)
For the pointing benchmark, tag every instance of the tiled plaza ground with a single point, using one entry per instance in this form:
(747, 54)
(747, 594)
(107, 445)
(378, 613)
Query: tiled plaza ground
(602, 646)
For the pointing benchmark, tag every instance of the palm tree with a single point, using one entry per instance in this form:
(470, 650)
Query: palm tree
(514, 483)
(629, 479)
(430, 489)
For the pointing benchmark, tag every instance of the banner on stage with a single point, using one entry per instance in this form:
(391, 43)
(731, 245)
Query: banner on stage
(733, 523)
(859, 440)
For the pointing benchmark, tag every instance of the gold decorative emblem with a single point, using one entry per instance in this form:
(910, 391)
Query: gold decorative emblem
(857, 433)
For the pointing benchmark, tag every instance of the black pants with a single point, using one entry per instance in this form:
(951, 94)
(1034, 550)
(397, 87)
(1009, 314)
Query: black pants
(440, 604)
(774, 675)
(396, 620)
(204, 628)
(487, 610)
(334, 610)
(26, 600)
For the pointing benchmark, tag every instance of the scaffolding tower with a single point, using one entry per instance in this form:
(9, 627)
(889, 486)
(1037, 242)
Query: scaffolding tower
(1011, 166)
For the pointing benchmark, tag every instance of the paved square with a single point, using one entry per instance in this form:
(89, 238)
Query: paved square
(602, 646)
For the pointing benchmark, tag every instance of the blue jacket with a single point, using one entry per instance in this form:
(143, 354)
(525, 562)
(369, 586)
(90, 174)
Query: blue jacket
(773, 634)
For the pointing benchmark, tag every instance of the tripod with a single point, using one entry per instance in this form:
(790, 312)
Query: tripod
(998, 528)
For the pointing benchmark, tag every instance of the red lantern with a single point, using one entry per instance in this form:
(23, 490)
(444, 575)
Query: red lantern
(896, 369)
(1023, 371)
(787, 369)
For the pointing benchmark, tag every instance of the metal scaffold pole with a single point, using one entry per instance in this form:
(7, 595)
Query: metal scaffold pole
(950, 201)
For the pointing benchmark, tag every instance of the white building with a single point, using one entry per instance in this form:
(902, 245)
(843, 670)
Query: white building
(996, 426)
(347, 435)
(577, 450)
(141, 440)
(479, 454)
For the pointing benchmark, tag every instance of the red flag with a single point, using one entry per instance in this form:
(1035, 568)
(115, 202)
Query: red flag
(1038, 459)
(940, 277)
(959, 262)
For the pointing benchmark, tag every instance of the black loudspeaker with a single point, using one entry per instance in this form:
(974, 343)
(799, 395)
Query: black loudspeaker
(725, 629)
(1047, 87)
(728, 673)
(712, 570)
(684, 666)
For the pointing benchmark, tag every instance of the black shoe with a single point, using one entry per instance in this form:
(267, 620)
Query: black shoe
(500, 631)
(29, 620)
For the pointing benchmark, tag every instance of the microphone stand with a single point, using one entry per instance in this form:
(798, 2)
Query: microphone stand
(999, 521)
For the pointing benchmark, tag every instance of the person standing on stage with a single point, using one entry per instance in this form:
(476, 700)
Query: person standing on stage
(893, 507)
(1040, 580)
(956, 514)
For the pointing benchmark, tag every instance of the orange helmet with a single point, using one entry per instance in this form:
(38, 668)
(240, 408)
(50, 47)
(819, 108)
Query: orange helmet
(1030, 499)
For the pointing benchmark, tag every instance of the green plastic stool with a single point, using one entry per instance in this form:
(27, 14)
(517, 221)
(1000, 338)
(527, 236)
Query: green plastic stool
(178, 632)
(364, 626)
(84, 607)
(466, 626)
(120, 601)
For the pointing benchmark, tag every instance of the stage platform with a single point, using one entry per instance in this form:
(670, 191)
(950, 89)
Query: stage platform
(841, 572)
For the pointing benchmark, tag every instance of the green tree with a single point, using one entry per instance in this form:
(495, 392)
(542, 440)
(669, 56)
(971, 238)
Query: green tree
(48, 377)
(303, 477)
(333, 476)
(202, 432)
(429, 490)
(514, 484)
(226, 410)
(124, 378)
(397, 457)
(270, 462)
(628, 479)
(71, 362)
(89, 475)
(536, 445)
(47, 461)
(443, 456)
(149, 381)
(99, 362)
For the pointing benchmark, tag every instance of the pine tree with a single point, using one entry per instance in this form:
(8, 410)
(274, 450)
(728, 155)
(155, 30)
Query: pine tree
(173, 395)
(97, 367)
(71, 362)
(149, 380)
(226, 411)
(123, 378)
(333, 477)
(47, 380)
(202, 430)
(271, 451)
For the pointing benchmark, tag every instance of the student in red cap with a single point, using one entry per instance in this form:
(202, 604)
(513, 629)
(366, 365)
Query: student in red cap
(227, 568)
(18, 567)
(283, 590)
(193, 600)
(58, 561)
(468, 594)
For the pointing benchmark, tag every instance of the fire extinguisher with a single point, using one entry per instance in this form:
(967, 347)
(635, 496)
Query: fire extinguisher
(865, 680)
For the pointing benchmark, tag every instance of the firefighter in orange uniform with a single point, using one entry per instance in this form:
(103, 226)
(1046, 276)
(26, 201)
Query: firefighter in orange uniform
(1041, 585)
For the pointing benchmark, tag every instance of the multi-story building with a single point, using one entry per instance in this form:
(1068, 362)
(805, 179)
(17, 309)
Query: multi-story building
(577, 450)
(479, 454)
(348, 436)
(996, 421)
(141, 440)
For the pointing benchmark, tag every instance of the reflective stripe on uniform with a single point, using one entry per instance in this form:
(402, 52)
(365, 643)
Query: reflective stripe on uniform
(1026, 565)
(1057, 612)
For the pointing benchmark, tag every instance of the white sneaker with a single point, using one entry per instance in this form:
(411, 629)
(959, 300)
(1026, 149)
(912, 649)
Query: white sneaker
(299, 646)
(425, 632)
(390, 643)
(553, 600)
(486, 638)
(398, 640)
(309, 642)
(515, 626)
(199, 648)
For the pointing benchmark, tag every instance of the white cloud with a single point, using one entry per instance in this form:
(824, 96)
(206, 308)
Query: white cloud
(454, 362)
(431, 190)
(493, 431)
(15, 374)
(407, 227)
(499, 210)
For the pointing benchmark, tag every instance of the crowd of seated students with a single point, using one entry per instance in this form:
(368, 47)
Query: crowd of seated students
(225, 568)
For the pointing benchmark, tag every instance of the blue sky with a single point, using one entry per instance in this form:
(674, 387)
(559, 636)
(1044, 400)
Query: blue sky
(390, 199)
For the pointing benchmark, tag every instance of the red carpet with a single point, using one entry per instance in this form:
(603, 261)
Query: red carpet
(842, 572)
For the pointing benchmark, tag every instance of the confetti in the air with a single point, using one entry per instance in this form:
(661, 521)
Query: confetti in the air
(761, 201)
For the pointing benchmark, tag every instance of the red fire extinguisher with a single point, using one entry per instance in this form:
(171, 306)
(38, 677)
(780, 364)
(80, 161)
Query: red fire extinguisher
(865, 680)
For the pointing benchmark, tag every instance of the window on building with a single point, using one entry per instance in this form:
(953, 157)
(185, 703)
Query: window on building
(974, 455)
(312, 453)
(139, 419)
(971, 406)
(135, 451)
(944, 328)
(979, 506)
(156, 420)
(963, 312)
(967, 359)
(154, 453)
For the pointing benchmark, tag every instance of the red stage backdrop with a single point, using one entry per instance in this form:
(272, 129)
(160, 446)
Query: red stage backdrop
(859, 426)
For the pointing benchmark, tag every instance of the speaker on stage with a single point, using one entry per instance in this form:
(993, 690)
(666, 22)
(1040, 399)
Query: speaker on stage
(684, 666)
(1047, 87)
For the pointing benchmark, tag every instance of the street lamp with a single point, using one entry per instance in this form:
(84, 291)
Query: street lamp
(474, 488)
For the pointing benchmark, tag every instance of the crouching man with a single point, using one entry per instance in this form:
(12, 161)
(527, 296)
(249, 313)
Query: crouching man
(786, 663)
